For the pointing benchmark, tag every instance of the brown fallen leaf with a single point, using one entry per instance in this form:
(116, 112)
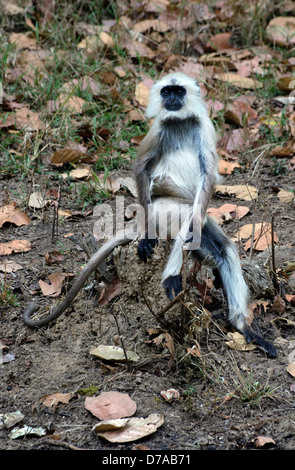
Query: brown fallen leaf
(12, 214)
(291, 369)
(26, 119)
(10, 266)
(262, 239)
(263, 441)
(241, 114)
(238, 81)
(110, 291)
(246, 230)
(82, 171)
(153, 24)
(109, 183)
(23, 41)
(37, 200)
(170, 394)
(142, 92)
(245, 192)
(279, 305)
(55, 398)
(227, 168)
(15, 246)
(227, 212)
(238, 342)
(286, 196)
(67, 155)
(113, 353)
(73, 104)
(56, 281)
(111, 405)
(53, 257)
(132, 430)
(281, 30)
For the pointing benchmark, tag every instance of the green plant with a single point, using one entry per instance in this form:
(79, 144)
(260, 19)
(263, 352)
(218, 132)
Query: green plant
(7, 297)
(250, 390)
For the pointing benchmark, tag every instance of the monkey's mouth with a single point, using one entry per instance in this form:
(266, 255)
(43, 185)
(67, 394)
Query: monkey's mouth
(172, 107)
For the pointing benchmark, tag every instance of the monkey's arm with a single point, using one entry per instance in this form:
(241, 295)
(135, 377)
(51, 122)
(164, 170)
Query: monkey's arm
(92, 264)
(146, 155)
(208, 164)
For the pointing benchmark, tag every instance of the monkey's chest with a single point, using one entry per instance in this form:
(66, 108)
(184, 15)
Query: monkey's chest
(175, 175)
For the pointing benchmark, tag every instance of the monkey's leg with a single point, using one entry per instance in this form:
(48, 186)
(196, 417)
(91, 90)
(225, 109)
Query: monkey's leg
(226, 257)
(171, 279)
(92, 264)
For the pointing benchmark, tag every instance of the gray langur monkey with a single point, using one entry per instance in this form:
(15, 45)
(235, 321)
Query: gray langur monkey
(176, 163)
(176, 167)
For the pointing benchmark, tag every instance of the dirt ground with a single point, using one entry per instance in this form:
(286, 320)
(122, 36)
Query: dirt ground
(213, 411)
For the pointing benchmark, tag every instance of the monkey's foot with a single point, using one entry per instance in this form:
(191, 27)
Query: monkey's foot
(173, 283)
(252, 337)
(145, 248)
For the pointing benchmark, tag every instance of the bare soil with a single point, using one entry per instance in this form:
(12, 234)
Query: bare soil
(212, 412)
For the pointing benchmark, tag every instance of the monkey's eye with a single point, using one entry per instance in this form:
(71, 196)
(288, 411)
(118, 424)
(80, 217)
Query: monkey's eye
(165, 92)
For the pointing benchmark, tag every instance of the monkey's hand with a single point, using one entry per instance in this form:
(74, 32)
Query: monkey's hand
(192, 240)
(145, 248)
(173, 283)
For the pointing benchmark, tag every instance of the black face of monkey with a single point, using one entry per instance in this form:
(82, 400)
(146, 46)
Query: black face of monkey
(173, 97)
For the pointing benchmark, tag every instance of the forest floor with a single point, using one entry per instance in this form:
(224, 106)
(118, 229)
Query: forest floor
(228, 397)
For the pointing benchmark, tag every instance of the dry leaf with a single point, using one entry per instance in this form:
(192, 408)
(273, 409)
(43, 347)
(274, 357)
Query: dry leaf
(106, 39)
(291, 369)
(109, 184)
(37, 200)
(73, 104)
(227, 212)
(281, 30)
(262, 239)
(227, 168)
(220, 41)
(246, 231)
(130, 184)
(279, 305)
(26, 119)
(154, 24)
(13, 215)
(67, 155)
(238, 342)
(15, 246)
(82, 171)
(142, 92)
(113, 353)
(138, 49)
(240, 113)
(8, 420)
(111, 405)
(262, 441)
(10, 266)
(286, 196)
(132, 430)
(56, 281)
(170, 394)
(55, 398)
(239, 81)
(110, 291)
(245, 192)
(23, 41)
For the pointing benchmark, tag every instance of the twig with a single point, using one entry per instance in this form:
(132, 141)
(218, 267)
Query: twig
(273, 259)
(57, 442)
(120, 335)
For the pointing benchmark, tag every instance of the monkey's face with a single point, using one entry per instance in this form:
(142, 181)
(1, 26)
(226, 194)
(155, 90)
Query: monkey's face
(173, 97)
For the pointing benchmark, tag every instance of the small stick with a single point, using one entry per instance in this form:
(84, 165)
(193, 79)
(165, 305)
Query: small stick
(273, 259)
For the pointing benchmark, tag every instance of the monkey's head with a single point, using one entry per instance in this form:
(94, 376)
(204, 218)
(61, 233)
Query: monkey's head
(175, 96)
